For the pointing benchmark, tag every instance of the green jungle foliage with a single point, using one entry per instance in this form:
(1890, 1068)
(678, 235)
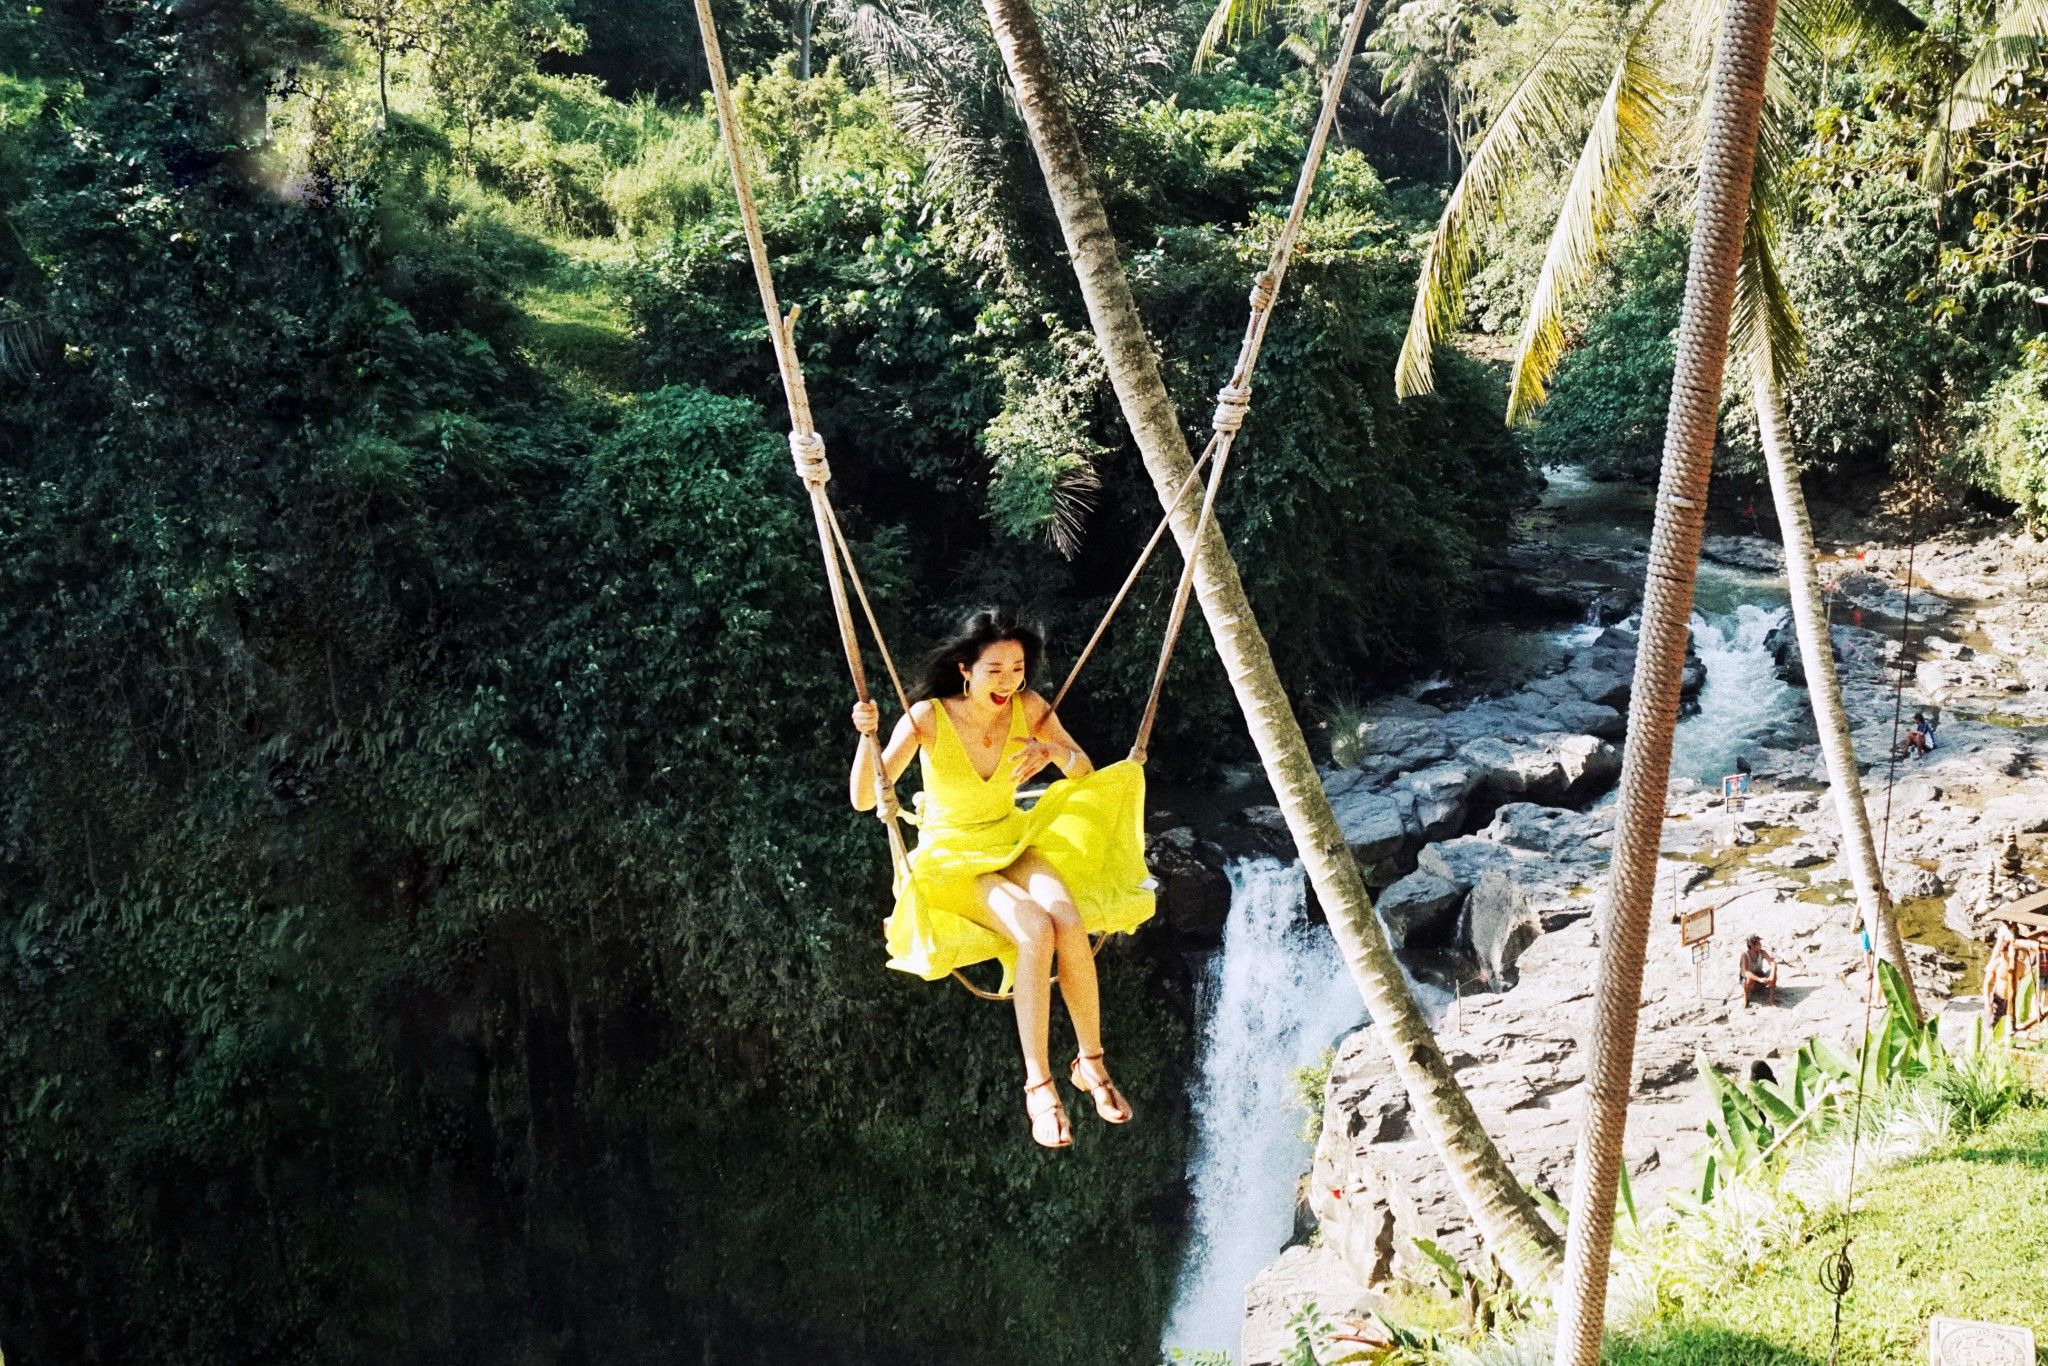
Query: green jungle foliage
(1613, 387)
(1915, 294)
(429, 923)
(433, 931)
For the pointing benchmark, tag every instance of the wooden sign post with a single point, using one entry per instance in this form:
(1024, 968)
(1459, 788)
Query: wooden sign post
(1695, 928)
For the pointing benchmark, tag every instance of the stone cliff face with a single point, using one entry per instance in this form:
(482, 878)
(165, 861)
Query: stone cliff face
(1465, 819)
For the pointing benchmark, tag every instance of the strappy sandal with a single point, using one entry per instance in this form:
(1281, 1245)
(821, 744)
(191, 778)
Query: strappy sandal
(1055, 1111)
(1110, 1104)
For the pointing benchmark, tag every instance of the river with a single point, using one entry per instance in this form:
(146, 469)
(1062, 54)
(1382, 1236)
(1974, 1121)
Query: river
(1276, 995)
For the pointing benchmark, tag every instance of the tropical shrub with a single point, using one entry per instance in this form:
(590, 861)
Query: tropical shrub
(2006, 446)
(1607, 405)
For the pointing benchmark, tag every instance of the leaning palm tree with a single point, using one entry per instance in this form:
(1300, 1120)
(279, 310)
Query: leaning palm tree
(1734, 112)
(1583, 64)
(1505, 1214)
(1634, 126)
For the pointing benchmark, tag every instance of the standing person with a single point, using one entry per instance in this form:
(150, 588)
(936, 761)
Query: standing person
(2001, 977)
(988, 880)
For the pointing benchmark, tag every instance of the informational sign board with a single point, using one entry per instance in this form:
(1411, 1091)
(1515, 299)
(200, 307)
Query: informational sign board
(1696, 927)
(1965, 1342)
(1699, 954)
(1735, 791)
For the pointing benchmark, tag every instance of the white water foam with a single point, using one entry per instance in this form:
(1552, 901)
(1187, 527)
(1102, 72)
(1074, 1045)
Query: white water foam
(1276, 995)
(1743, 697)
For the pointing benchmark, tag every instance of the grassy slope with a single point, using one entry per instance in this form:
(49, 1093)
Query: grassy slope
(1962, 1231)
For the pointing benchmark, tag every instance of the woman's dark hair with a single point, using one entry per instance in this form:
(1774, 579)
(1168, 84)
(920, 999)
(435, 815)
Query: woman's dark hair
(938, 674)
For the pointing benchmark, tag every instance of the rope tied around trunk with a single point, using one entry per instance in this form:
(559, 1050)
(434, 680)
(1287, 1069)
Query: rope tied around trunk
(1734, 109)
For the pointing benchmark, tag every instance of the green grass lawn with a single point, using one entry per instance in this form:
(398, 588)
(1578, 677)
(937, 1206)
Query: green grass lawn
(1962, 1231)
(575, 323)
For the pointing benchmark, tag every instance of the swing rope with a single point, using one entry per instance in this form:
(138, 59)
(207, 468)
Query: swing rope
(1837, 1272)
(807, 448)
(1234, 399)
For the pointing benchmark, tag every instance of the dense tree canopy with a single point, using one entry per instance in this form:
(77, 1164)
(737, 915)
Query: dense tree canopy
(429, 925)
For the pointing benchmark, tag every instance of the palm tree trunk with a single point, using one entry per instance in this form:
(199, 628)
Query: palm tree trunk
(1505, 1215)
(1823, 686)
(1735, 107)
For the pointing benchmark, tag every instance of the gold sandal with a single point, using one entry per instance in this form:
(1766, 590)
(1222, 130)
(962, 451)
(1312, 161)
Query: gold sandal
(1110, 1104)
(1055, 1112)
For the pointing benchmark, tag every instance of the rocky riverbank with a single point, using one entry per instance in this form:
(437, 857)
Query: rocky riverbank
(1480, 830)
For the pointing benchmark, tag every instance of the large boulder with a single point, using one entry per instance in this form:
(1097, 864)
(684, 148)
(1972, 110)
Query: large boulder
(1589, 718)
(1397, 741)
(1439, 797)
(1545, 830)
(1590, 766)
(1603, 681)
(1604, 671)
(1463, 861)
(1255, 832)
(1781, 642)
(1548, 768)
(1744, 552)
(1299, 1277)
(1375, 825)
(1419, 906)
(1194, 891)
(1498, 925)
(1515, 769)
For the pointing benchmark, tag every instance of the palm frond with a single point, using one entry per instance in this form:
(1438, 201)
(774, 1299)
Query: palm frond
(1546, 104)
(23, 345)
(1883, 23)
(1613, 175)
(2020, 40)
(1229, 23)
(1765, 327)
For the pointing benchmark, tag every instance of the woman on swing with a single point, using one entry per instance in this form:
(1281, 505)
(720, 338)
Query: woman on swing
(988, 880)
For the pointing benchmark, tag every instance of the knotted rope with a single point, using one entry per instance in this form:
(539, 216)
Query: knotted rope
(806, 448)
(1233, 400)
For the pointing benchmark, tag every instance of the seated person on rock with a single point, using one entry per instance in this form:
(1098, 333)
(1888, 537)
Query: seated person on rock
(1759, 971)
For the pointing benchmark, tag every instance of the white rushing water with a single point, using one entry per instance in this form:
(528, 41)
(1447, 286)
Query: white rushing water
(1275, 997)
(1743, 697)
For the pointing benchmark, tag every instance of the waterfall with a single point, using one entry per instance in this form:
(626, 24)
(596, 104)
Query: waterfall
(1743, 700)
(1275, 996)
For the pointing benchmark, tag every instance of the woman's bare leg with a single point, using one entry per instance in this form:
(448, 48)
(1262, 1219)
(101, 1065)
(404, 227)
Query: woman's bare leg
(1074, 956)
(1013, 914)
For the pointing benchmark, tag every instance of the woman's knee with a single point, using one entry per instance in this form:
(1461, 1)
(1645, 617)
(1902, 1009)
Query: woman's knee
(1065, 919)
(1032, 927)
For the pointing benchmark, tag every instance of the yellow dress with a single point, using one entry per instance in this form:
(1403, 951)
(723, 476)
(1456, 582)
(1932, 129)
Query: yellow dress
(1090, 829)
